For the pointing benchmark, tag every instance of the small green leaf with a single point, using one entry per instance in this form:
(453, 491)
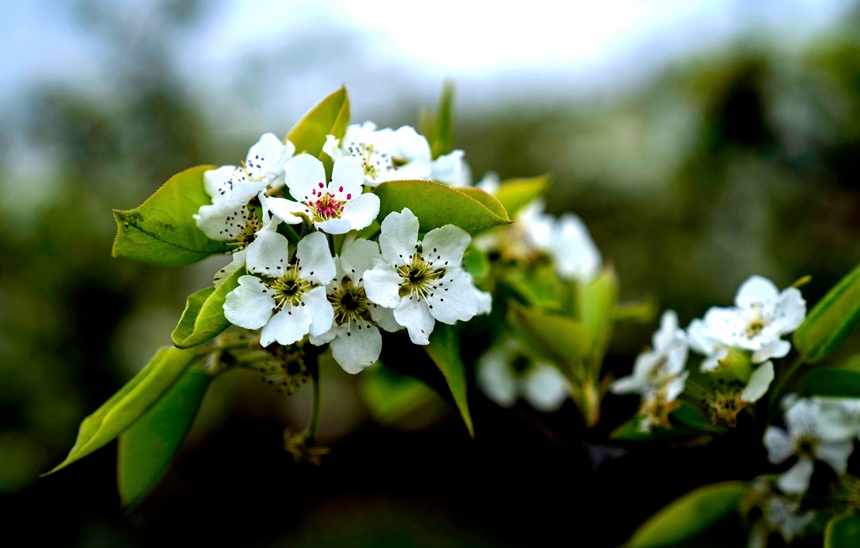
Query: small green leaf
(636, 312)
(559, 338)
(832, 320)
(443, 140)
(595, 308)
(515, 194)
(487, 200)
(132, 400)
(830, 381)
(329, 117)
(162, 231)
(843, 532)
(148, 446)
(203, 318)
(540, 288)
(476, 262)
(689, 515)
(390, 395)
(437, 205)
(444, 350)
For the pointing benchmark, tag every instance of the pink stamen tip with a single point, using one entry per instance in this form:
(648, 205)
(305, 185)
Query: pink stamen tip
(321, 185)
(340, 189)
(349, 196)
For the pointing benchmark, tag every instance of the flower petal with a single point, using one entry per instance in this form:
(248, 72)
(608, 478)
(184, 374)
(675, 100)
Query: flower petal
(384, 318)
(235, 264)
(222, 220)
(334, 226)
(454, 298)
(304, 175)
(286, 210)
(444, 246)
(835, 453)
(699, 339)
(796, 480)
(495, 377)
(415, 317)
(399, 237)
(320, 310)
(773, 349)
(759, 383)
(668, 334)
(756, 290)
(355, 349)
(287, 326)
(574, 253)
(545, 388)
(250, 304)
(779, 445)
(266, 157)
(347, 179)
(268, 254)
(382, 285)
(358, 257)
(315, 262)
(448, 168)
(791, 310)
(361, 211)
(215, 181)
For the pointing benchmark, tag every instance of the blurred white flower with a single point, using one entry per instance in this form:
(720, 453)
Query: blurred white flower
(422, 281)
(505, 373)
(335, 207)
(811, 437)
(574, 253)
(288, 301)
(354, 336)
(779, 514)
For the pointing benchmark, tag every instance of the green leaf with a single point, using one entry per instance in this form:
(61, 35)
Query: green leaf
(595, 308)
(686, 421)
(443, 139)
(329, 117)
(559, 338)
(636, 312)
(832, 320)
(390, 395)
(540, 287)
(437, 205)
(148, 446)
(515, 194)
(487, 200)
(843, 532)
(689, 515)
(444, 350)
(476, 262)
(830, 381)
(132, 400)
(162, 231)
(203, 318)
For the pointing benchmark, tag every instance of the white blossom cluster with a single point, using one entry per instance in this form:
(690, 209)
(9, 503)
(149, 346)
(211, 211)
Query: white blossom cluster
(340, 297)
(732, 339)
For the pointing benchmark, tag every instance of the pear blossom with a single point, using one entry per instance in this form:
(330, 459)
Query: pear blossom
(779, 513)
(841, 415)
(504, 373)
(354, 336)
(810, 437)
(730, 398)
(336, 207)
(389, 155)
(287, 300)
(574, 253)
(422, 281)
(760, 317)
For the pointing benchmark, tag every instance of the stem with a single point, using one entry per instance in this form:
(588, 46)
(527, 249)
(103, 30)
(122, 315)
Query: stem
(783, 380)
(309, 435)
(226, 346)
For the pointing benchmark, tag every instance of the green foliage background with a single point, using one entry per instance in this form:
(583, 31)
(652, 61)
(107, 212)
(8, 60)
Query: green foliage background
(737, 162)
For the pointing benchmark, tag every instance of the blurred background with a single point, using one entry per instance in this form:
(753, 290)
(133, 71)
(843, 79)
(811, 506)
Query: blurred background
(701, 142)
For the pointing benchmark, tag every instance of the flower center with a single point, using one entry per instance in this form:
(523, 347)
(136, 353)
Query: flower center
(419, 278)
(805, 446)
(350, 303)
(655, 411)
(289, 288)
(326, 206)
(726, 403)
(241, 227)
(374, 162)
(287, 371)
(757, 322)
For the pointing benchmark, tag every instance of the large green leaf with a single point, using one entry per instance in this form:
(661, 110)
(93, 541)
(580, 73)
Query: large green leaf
(559, 338)
(437, 205)
(444, 350)
(843, 532)
(329, 117)
(595, 308)
(830, 381)
(132, 400)
(689, 515)
(832, 320)
(148, 446)
(487, 200)
(162, 231)
(203, 318)
(514, 194)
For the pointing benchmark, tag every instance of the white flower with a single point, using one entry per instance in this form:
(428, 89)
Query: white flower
(730, 398)
(662, 366)
(336, 207)
(289, 301)
(574, 254)
(355, 339)
(263, 169)
(841, 416)
(779, 513)
(422, 281)
(761, 316)
(809, 437)
(388, 155)
(451, 169)
(505, 373)
(700, 341)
